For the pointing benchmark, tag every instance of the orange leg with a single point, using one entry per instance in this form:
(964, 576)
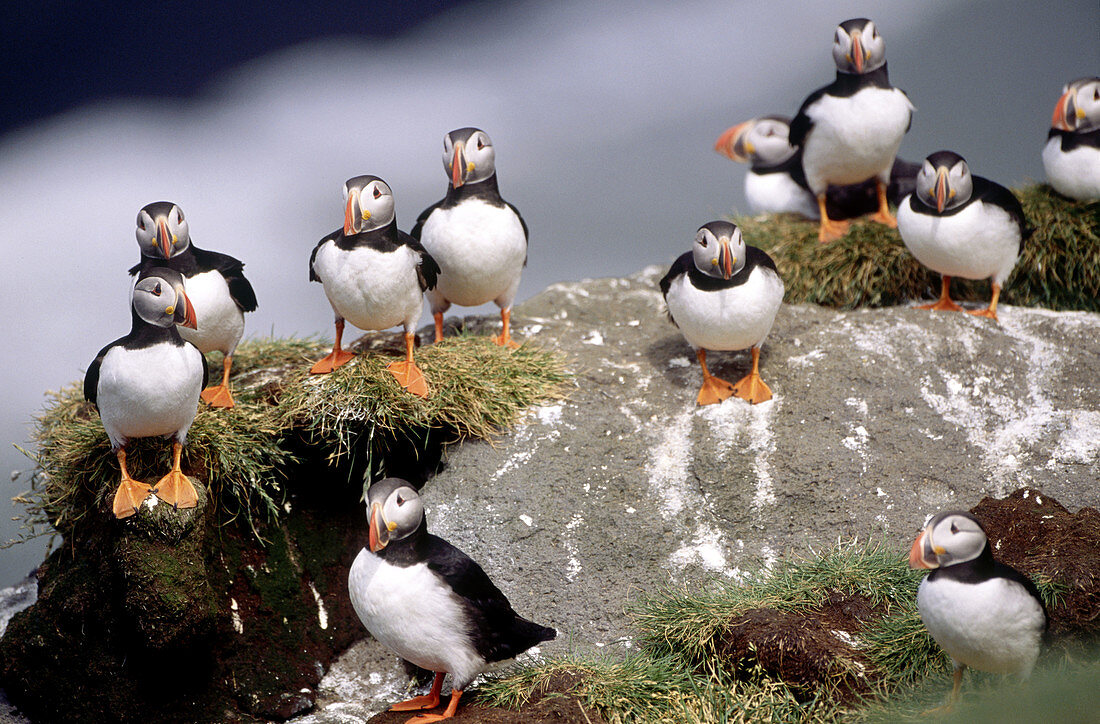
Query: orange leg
(504, 339)
(219, 395)
(883, 215)
(131, 493)
(408, 375)
(452, 707)
(991, 310)
(174, 488)
(953, 698)
(428, 701)
(438, 326)
(336, 358)
(713, 390)
(944, 303)
(751, 387)
(830, 229)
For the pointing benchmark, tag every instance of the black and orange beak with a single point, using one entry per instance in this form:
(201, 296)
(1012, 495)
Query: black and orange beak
(1065, 112)
(941, 189)
(725, 259)
(164, 238)
(379, 531)
(352, 213)
(923, 553)
(732, 143)
(183, 312)
(458, 165)
(858, 56)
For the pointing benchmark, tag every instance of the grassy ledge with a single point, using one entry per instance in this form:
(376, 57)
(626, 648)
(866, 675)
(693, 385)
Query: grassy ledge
(834, 636)
(870, 267)
(244, 455)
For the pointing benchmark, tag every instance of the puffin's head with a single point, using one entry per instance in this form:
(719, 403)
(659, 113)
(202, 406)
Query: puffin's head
(719, 250)
(160, 299)
(368, 204)
(948, 538)
(944, 181)
(161, 230)
(857, 47)
(761, 140)
(468, 156)
(1079, 107)
(395, 512)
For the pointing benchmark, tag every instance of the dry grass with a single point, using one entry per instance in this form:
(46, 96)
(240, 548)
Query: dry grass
(870, 267)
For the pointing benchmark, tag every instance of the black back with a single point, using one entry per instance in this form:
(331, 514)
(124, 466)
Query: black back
(385, 239)
(496, 630)
(846, 85)
(486, 190)
(987, 192)
(192, 261)
(982, 569)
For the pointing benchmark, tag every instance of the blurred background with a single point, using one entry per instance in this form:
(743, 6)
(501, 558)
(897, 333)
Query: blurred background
(603, 115)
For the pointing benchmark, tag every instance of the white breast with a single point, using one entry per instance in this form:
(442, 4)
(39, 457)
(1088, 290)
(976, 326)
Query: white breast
(1075, 174)
(994, 626)
(220, 321)
(414, 614)
(775, 193)
(149, 392)
(371, 289)
(856, 138)
(480, 249)
(727, 319)
(980, 242)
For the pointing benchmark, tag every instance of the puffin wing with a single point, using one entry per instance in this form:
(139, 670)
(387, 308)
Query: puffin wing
(801, 123)
(497, 632)
(427, 271)
(91, 377)
(233, 271)
(989, 192)
(682, 265)
(313, 257)
(419, 225)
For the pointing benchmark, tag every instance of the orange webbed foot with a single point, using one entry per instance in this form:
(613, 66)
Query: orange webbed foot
(129, 497)
(987, 312)
(505, 340)
(335, 358)
(942, 305)
(176, 490)
(409, 376)
(832, 229)
(885, 218)
(713, 391)
(753, 389)
(428, 701)
(218, 396)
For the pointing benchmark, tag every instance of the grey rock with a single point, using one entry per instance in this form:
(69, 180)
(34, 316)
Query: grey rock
(880, 418)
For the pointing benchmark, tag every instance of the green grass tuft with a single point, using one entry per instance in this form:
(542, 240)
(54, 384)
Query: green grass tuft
(870, 267)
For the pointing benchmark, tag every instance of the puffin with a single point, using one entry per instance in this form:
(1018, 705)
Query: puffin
(850, 130)
(478, 238)
(776, 182)
(215, 283)
(1071, 157)
(374, 276)
(958, 224)
(147, 384)
(724, 295)
(983, 613)
(430, 603)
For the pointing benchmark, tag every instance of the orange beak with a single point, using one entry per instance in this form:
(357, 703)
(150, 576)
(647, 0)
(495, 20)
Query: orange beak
(922, 554)
(1064, 110)
(379, 532)
(731, 144)
(941, 189)
(164, 239)
(857, 53)
(458, 166)
(725, 259)
(351, 214)
(185, 312)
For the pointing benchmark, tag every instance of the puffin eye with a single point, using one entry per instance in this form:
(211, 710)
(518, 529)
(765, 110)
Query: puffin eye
(377, 193)
(400, 500)
(156, 289)
(954, 528)
(480, 144)
(179, 216)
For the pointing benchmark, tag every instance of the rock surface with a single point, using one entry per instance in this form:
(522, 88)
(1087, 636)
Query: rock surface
(880, 418)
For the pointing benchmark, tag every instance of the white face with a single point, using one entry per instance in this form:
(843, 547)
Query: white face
(161, 230)
(858, 49)
(944, 187)
(469, 159)
(719, 255)
(1085, 108)
(951, 538)
(395, 517)
(158, 302)
(766, 141)
(368, 205)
